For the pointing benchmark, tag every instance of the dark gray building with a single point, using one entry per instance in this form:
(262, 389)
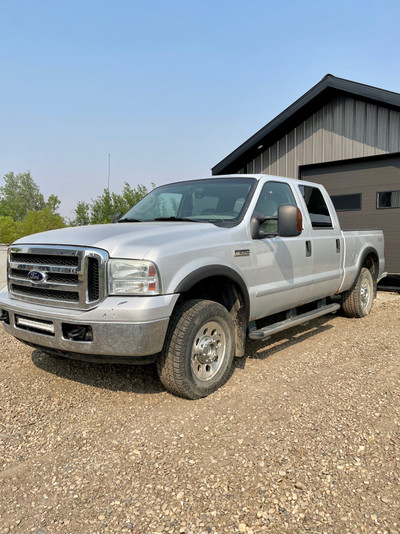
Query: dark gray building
(342, 134)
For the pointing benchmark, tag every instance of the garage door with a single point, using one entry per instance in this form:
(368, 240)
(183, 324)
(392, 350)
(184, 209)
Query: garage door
(366, 194)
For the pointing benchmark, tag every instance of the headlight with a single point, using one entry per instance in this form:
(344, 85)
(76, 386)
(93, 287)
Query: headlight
(132, 277)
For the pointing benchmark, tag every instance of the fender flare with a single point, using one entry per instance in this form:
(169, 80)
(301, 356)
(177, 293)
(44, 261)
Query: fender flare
(365, 253)
(209, 271)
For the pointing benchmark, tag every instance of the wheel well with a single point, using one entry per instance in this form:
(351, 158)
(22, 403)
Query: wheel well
(225, 291)
(371, 262)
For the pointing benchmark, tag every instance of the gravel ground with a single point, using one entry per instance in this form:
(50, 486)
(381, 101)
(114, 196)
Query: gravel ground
(304, 438)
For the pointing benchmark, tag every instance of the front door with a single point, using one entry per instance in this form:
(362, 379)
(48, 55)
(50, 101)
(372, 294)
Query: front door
(282, 268)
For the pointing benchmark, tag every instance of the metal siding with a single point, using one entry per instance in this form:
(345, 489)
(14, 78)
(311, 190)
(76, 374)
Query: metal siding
(308, 141)
(394, 131)
(250, 167)
(318, 136)
(344, 128)
(265, 161)
(338, 128)
(348, 127)
(273, 156)
(291, 168)
(382, 131)
(328, 127)
(368, 178)
(359, 129)
(371, 119)
(282, 150)
(299, 135)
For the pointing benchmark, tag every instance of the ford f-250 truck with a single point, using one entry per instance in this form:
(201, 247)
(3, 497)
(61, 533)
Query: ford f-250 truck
(187, 274)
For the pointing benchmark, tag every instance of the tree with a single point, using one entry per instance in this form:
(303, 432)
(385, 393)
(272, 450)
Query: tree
(53, 203)
(20, 194)
(39, 221)
(34, 222)
(8, 230)
(24, 210)
(131, 196)
(102, 209)
(82, 214)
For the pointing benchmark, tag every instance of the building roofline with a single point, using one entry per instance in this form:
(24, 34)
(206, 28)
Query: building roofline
(307, 104)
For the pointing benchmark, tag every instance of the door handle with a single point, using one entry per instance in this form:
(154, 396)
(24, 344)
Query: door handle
(308, 248)
(337, 245)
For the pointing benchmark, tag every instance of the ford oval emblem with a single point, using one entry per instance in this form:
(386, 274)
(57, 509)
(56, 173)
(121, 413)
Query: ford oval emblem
(37, 276)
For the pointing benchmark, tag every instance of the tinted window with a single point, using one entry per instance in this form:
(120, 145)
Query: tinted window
(204, 205)
(347, 202)
(388, 199)
(316, 205)
(273, 195)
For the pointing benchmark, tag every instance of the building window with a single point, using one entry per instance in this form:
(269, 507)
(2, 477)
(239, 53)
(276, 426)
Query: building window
(317, 208)
(347, 202)
(388, 199)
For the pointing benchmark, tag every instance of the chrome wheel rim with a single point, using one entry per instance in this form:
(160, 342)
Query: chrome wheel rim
(208, 351)
(365, 294)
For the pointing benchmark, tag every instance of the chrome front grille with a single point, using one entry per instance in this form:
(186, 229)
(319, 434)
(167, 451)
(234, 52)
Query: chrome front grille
(44, 259)
(65, 276)
(51, 277)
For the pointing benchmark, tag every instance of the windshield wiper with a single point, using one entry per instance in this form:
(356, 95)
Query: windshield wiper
(176, 219)
(130, 220)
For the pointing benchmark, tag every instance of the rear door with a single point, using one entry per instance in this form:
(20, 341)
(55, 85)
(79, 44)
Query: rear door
(326, 244)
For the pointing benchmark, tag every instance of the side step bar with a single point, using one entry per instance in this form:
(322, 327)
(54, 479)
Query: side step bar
(264, 333)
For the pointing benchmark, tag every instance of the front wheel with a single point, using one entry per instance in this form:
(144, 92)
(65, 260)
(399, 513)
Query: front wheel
(198, 351)
(357, 302)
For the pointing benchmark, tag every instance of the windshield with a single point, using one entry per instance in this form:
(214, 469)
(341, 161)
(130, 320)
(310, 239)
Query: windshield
(211, 200)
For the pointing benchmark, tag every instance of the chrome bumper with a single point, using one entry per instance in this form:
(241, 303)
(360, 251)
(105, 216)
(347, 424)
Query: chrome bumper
(113, 334)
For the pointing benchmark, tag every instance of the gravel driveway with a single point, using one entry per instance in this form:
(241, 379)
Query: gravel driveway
(304, 438)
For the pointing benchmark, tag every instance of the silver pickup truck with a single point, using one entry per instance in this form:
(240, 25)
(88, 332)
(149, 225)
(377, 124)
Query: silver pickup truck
(187, 274)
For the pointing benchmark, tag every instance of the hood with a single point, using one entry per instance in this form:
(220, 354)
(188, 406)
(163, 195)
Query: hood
(126, 240)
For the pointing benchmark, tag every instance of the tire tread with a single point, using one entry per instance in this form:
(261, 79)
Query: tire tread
(351, 304)
(169, 361)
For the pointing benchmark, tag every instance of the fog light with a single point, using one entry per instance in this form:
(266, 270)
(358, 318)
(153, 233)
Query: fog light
(77, 332)
(5, 317)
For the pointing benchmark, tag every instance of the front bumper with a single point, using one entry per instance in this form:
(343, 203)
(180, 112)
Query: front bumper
(130, 327)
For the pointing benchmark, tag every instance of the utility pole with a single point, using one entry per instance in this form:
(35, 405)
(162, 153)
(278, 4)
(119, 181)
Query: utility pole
(109, 171)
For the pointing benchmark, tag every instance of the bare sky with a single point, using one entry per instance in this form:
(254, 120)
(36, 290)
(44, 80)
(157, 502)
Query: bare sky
(168, 88)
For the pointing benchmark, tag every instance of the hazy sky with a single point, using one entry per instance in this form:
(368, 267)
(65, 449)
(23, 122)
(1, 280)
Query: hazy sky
(168, 88)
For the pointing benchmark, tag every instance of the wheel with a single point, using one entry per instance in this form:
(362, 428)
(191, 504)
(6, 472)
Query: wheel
(198, 351)
(357, 302)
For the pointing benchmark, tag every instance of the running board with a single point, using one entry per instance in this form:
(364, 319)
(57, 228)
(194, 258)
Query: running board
(264, 333)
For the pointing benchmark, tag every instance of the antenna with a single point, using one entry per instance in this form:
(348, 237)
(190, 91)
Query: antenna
(109, 171)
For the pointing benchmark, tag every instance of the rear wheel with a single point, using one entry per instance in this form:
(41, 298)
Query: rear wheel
(357, 302)
(199, 348)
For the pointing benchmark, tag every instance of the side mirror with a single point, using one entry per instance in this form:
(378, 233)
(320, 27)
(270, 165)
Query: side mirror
(288, 223)
(116, 217)
(261, 227)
